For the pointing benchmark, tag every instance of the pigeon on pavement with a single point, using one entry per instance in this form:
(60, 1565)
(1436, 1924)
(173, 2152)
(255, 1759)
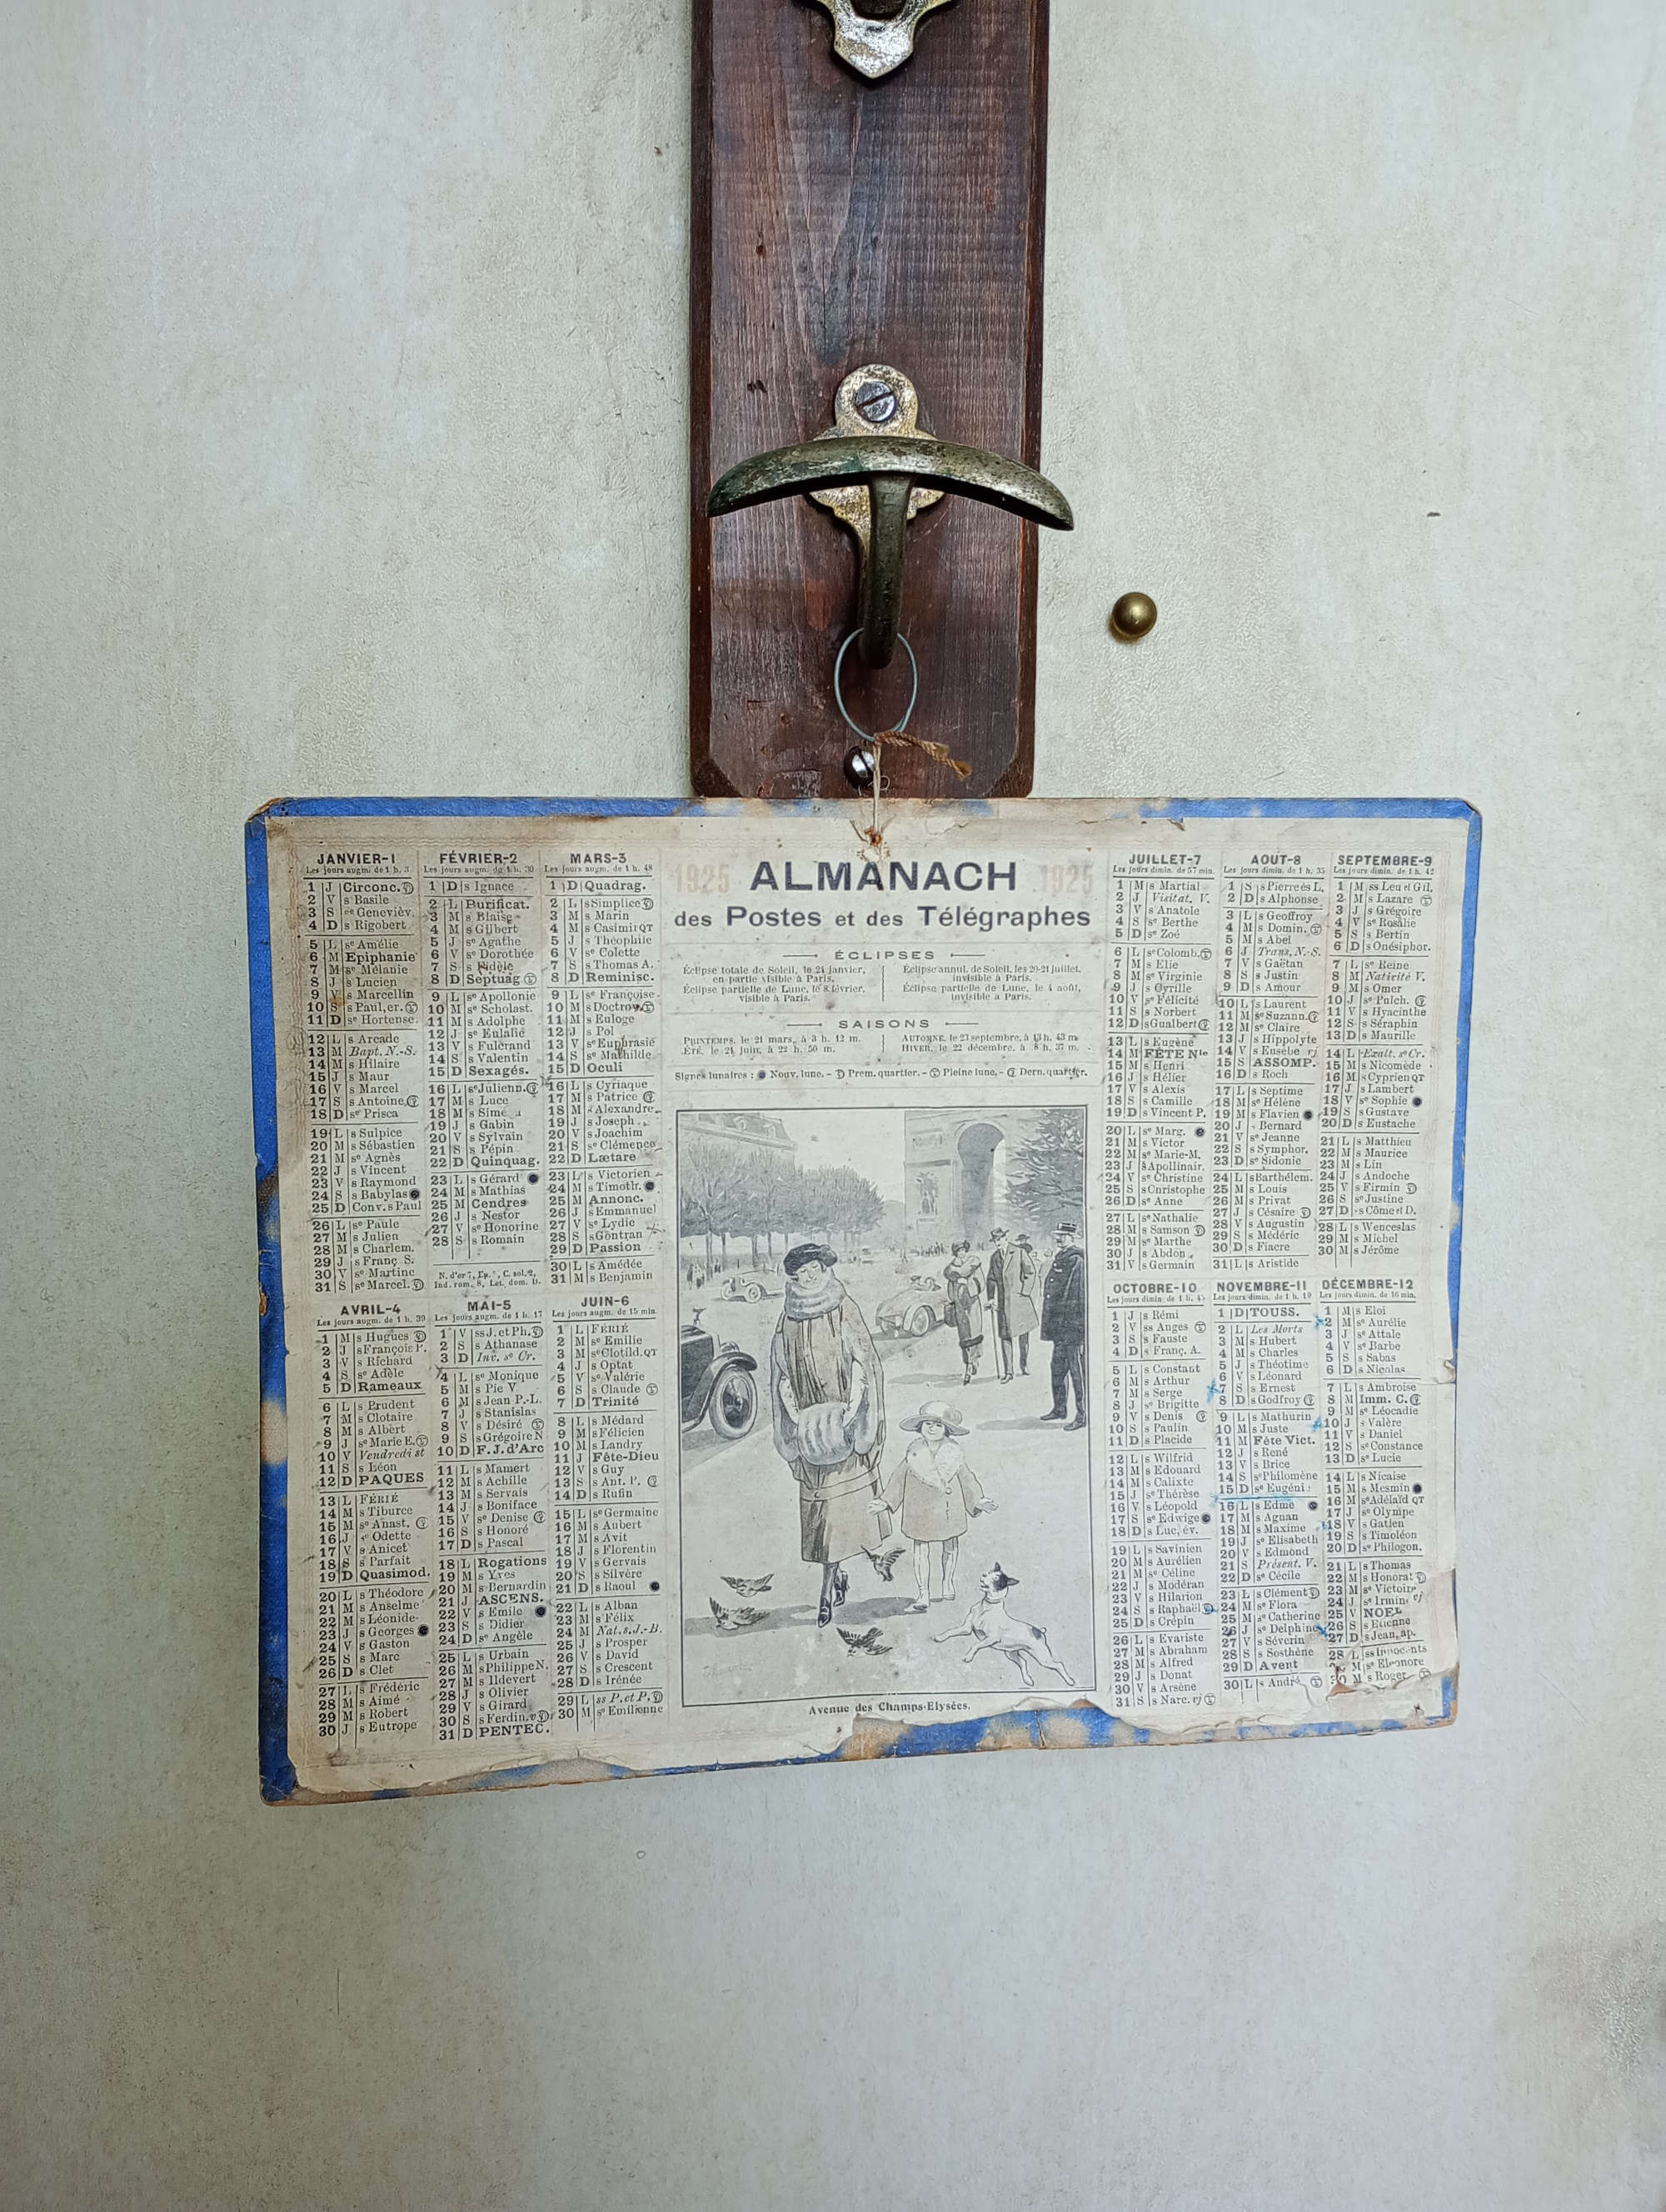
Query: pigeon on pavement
(741, 1616)
(869, 1642)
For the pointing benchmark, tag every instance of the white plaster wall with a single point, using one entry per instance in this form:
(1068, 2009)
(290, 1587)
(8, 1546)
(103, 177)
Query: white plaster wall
(308, 309)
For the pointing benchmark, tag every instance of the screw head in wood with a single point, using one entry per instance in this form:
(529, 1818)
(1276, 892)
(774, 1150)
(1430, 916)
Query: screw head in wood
(1133, 614)
(876, 402)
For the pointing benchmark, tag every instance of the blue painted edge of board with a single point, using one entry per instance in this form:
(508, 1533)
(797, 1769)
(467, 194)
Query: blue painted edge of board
(1086, 1726)
(277, 1774)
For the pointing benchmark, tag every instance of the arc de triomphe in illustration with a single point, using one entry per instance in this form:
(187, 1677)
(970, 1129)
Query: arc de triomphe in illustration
(950, 1170)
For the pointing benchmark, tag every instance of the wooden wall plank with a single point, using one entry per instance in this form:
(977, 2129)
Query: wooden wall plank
(836, 222)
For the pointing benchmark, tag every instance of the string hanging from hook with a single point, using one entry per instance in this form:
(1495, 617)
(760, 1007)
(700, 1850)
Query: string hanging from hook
(875, 742)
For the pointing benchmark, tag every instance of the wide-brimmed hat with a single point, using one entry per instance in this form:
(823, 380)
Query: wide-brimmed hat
(938, 1409)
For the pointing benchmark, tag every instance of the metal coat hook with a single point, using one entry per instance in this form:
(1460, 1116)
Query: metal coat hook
(876, 36)
(888, 469)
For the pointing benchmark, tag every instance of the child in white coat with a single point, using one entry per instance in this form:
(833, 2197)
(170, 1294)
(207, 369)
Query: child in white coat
(933, 1489)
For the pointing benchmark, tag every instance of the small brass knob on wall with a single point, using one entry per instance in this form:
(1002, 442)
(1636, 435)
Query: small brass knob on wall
(1134, 615)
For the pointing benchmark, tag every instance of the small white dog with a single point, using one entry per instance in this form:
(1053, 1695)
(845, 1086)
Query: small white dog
(992, 1628)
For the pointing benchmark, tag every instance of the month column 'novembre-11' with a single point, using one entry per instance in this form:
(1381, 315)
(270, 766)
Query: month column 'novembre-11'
(1268, 1459)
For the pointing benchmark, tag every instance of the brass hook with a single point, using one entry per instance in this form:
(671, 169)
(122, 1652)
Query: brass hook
(881, 480)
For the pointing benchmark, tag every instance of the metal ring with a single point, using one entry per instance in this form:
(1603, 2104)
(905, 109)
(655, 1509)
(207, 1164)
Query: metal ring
(867, 736)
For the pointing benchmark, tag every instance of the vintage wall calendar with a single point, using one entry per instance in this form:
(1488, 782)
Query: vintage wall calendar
(742, 1284)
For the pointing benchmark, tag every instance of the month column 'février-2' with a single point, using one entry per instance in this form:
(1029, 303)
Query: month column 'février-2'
(481, 948)
(481, 960)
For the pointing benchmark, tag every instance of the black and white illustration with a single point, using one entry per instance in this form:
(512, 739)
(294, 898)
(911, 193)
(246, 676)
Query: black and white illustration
(883, 1363)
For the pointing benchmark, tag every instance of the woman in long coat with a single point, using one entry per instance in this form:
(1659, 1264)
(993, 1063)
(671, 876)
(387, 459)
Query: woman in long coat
(1013, 1299)
(827, 1395)
(963, 1279)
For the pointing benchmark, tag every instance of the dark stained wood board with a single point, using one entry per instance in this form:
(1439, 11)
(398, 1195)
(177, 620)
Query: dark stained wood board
(837, 221)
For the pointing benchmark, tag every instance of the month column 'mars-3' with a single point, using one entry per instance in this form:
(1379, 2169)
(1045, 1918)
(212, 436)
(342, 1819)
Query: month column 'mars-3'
(602, 1063)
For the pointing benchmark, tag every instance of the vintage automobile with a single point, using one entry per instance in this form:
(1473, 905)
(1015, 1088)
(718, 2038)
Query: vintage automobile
(915, 1310)
(719, 1381)
(750, 1287)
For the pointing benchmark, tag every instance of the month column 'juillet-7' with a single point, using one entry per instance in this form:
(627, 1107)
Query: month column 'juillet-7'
(1160, 992)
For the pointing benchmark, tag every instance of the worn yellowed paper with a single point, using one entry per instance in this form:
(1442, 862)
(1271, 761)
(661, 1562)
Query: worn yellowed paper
(749, 1290)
